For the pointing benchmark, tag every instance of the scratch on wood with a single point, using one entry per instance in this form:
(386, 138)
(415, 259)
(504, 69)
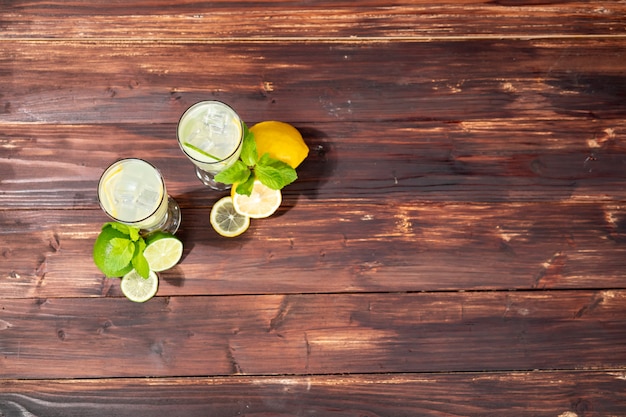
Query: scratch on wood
(551, 271)
(595, 302)
(308, 351)
(41, 271)
(279, 318)
(106, 286)
(55, 242)
(235, 368)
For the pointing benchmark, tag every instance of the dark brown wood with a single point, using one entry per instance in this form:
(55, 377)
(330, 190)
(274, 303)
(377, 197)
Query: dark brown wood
(454, 81)
(575, 159)
(313, 334)
(455, 243)
(408, 246)
(166, 20)
(549, 394)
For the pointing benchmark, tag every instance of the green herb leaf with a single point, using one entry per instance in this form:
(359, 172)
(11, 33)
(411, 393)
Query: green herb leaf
(133, 233)
(245, 188)
(200, 151)
(274, 173)
(120, 227)
(130, 231)
(139, 261)
(238, 172)
(249, 154)
(119, 252)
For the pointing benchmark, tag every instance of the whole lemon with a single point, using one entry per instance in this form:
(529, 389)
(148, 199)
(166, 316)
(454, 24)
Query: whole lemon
(281, 140)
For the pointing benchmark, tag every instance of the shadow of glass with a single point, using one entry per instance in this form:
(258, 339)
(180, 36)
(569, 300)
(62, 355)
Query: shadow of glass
(314, 171)
(173, 276)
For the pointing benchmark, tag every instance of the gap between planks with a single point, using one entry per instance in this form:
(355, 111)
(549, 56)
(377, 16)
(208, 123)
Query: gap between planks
(320, 39)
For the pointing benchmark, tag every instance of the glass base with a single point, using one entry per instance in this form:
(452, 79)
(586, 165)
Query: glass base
(171, 222)
(207, 179)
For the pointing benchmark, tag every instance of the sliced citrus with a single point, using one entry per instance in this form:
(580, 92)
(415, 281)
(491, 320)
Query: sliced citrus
(139, 289)
(163, 251)
(226, 220)
(262, 202)
(281, 140)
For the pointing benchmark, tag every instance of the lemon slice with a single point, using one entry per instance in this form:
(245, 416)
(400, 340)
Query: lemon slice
(139, 289)
(226, 220)
(163, 251)
(262, 202)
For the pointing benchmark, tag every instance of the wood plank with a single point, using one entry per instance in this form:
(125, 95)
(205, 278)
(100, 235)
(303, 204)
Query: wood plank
(164, 20)
(313, 82)
(313, 334)
(549, 394)
(320, 247)
(519, 160)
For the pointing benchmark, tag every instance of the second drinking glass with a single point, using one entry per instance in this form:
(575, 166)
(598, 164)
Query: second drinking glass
(132, 191)
(211, 134)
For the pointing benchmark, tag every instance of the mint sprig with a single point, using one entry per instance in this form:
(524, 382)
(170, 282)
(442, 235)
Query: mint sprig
(271, 172)
(118, 248)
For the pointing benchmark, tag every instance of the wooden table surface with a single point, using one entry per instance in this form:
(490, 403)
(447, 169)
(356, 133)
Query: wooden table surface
(455, 244)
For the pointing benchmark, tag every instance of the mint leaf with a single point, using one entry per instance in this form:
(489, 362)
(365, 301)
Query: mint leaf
(132, 232)
(119, 252)
(120, 227)
(274, 173)
(139, 261)
(249, 154)
(245, 188)
(238, 172)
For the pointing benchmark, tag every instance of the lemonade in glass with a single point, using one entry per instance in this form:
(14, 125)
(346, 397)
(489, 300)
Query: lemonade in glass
(211, 134)
(132, 191)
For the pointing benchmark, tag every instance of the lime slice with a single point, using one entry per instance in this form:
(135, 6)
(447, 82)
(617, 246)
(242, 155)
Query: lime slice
(225, 219)
(139, 289)
(262, 202)
(163, 251)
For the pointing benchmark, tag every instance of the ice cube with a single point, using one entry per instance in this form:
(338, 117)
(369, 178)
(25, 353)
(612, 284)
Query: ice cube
(124, 192)
(215, 121)
(147, 198)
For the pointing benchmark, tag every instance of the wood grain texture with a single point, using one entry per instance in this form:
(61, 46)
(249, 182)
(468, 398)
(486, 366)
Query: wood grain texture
(484, 161)
(454, 245)
(524, 394)
(314, 82)
(313, 334)
(408, 246)
(166, 20)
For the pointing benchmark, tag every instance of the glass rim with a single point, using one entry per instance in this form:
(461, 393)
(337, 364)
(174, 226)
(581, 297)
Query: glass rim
(198, 104)
(118, 162)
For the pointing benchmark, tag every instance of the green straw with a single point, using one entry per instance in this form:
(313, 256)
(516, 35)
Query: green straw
(203, 152)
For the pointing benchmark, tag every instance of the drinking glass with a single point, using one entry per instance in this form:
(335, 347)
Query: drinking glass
(211, 134)
(132, 191)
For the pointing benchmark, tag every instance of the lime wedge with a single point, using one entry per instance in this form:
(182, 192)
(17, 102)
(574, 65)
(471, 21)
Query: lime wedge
(139, 289)
(163, 251)
(200, 151)
(225, 219)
